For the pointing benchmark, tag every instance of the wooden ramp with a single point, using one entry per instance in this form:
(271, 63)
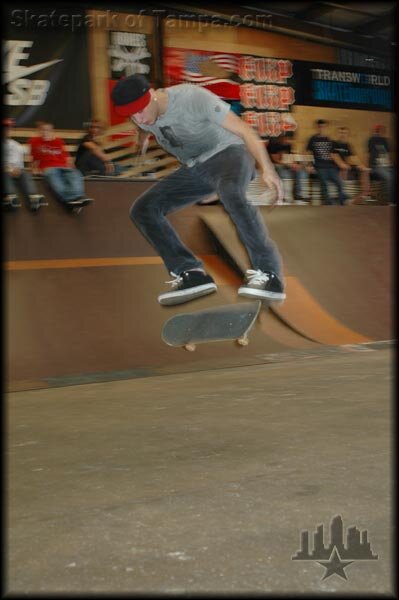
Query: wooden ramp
(303, 311)
(81, 293)
(71, 322)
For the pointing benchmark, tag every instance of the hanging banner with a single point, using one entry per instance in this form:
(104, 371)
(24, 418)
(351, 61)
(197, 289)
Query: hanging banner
(258, 89)
(129, 54)
(267, 95)
(45, 77)
(342, 86)
(263, 90)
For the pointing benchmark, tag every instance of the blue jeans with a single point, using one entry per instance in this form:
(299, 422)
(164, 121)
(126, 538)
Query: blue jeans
(326, 174)
(386, 175)
(228, 173)
(24, 181)
(300, 177)
(68, 184)
(91, 164)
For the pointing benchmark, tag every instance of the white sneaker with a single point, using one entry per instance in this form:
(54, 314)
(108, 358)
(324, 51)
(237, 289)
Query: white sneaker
(188, 286)
(262, 285)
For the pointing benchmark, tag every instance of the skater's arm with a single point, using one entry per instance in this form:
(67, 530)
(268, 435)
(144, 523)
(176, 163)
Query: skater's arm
(257, 148)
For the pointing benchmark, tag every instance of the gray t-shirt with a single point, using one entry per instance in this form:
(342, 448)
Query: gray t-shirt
(190, 128)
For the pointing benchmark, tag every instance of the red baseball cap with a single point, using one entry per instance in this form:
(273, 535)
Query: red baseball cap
(131, 95)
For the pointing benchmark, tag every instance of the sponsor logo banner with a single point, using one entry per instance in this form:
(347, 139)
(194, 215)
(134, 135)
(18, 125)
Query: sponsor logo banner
(45, 77)
(342, 86)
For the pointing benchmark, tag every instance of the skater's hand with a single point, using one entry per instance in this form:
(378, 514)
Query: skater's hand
(271, 179)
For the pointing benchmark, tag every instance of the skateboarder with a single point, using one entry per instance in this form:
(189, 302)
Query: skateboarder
(218, 151)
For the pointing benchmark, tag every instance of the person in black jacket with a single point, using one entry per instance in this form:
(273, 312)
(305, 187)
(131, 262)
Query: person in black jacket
(91, 158)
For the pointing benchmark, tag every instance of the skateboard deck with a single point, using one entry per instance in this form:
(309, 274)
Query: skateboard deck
(222, 323)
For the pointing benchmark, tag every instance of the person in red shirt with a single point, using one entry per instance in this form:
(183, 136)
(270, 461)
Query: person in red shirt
(51, 158)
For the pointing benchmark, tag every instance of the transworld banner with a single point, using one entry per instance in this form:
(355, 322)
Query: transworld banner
(342, 86)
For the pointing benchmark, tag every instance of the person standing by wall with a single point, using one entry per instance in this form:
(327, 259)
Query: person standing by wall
(327, 163)
(380, 160)
(357, 170)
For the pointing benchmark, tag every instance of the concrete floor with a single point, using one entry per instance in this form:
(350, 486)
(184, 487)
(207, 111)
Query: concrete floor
(201, 482)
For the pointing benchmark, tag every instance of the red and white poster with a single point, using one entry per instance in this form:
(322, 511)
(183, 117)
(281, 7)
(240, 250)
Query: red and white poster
(216, 71)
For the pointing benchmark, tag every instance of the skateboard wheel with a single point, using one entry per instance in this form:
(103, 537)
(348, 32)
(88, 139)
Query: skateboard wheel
(189, 347)
(243, 341)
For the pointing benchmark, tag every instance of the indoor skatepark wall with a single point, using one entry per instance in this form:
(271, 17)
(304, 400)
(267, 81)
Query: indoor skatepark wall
(81, 290)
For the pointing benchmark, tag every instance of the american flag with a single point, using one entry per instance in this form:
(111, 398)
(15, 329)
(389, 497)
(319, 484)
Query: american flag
(192, 71)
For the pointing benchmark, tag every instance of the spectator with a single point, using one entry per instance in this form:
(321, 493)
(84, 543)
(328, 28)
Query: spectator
(380, 160)
(91, 158)
(327, 163)
(15, 174)
(290, 170)
(357, 170)
(50, 157)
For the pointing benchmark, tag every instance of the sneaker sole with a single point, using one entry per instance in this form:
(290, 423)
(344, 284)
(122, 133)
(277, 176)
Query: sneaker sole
(186, 295)
(250, 293)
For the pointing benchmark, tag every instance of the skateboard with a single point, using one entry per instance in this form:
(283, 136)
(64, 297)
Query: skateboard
(219, 324)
